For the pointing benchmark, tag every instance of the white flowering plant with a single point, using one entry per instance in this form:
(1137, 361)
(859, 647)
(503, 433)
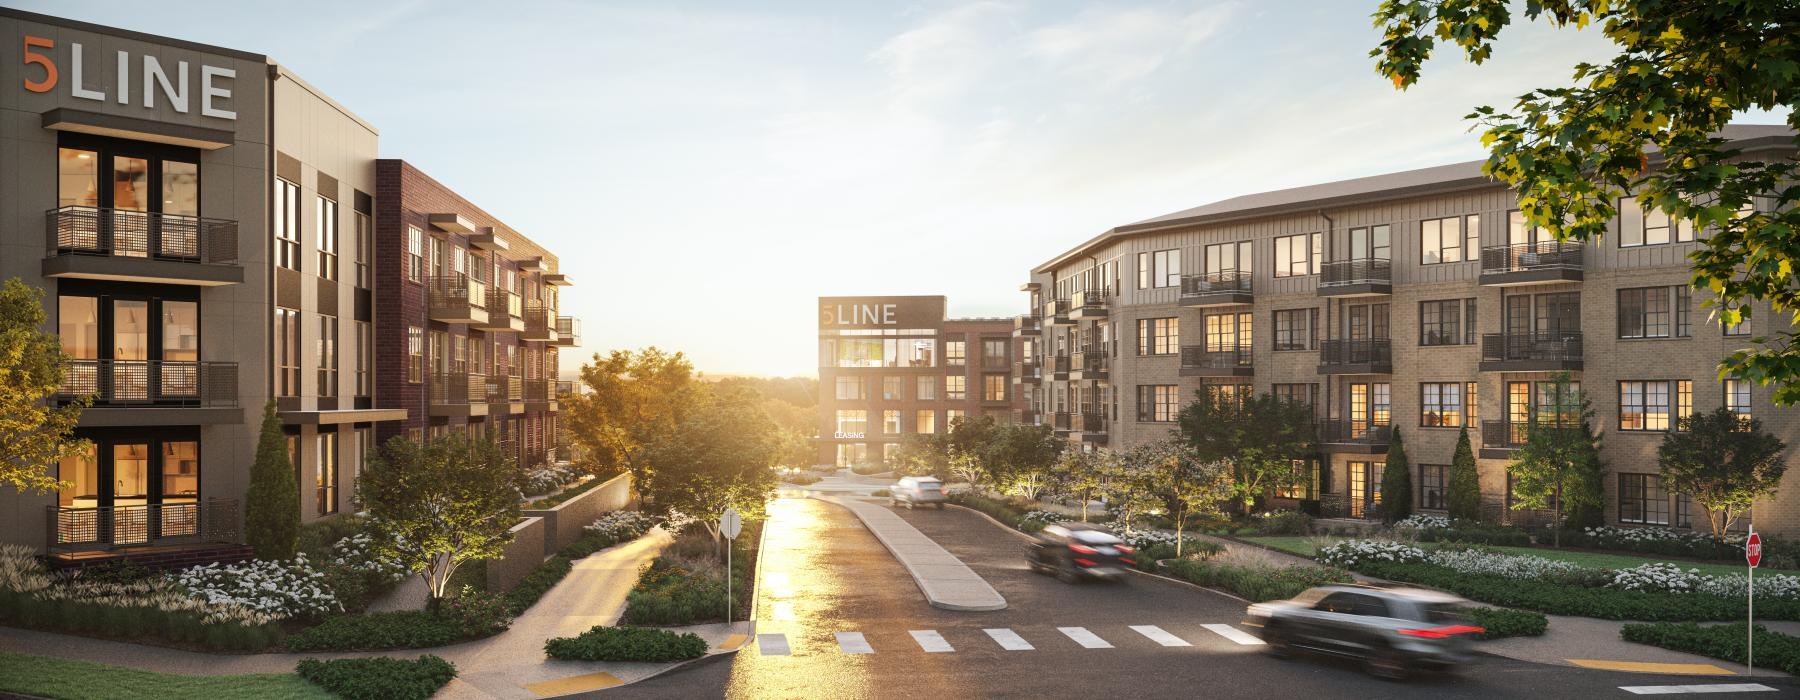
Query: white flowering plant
(622, 525)
(549, 478)
(356, 552)
(1421, 521)
(1040, 518)
(1665, 577)
(1348, 554)
(280, 589)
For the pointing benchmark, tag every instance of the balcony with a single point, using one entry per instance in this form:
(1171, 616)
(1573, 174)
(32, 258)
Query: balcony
(1056, 312)
(458, 299)
(457, 394)
(169, 392)
(1027, 371)
(540, 324)
(505, 311)
(1092, 425)
(1197, 362)
(1530, 352)
(1088, 305)
(1543, 262)
(1059, 368)
(117, 244)
(1089, 363)
(540, 394)
(1356, 278)
(1229, 288)
(1354, 437)
(568, 331)
(565, 390)
(1060, 423)
(1499, 438)
(1365, 356)
(1027, 325)
(72, 531)
(505, 394)
(1022, 416)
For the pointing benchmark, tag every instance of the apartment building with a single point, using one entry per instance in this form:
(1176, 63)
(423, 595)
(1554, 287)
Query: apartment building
(197, 218)
(469, 331)
(892, 366)
(1416, 301)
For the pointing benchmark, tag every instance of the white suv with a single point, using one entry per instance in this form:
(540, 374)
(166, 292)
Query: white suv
(916, 490)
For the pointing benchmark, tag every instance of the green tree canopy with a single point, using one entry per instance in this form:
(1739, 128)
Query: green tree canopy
(1265, 439)
(1396, 482)
(34, 434)
(719, 456)
(1645, 124)
(440, 504)
(1465, 481)
(1559, 466)
(1081, 475)
(1185, 484)
(1020, 458)
(1724, 462)
(634, 399)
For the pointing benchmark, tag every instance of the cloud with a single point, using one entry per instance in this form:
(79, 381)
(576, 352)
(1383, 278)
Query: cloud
(1117, 45)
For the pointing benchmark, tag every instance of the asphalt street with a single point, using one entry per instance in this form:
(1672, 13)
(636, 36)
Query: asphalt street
(855, 626)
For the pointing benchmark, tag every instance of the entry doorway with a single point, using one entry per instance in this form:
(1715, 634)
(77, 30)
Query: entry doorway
(1365, 489)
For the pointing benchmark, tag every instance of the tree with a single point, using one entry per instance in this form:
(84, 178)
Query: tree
(1021, 457)
(34, 434)
(1559, 465)
(1266, 440)
(966, 449)
(921, 454)
(1644, 125)
(1724, 462)
(719, 456)
(272, 506)
(440, 504)
(793, 404)
(1465, 481)
(1185, 484)
(634, 400)
(1130, 486)
(1080, 475)
(1396, 482)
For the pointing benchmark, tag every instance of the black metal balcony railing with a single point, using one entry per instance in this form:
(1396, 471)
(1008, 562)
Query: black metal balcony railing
(505, 389)
(501, 303)
(565, 389)
(1343, 432)
(1059, 364)
(1365, 351)
(569, 329)
(151, 383)
(217, 520)
(1197, 357)
(1536, 347)
(456, 388)
(1028, 323)
(1089, 299)
(1090, 421)
(1061, 420)
(456, 292)
(540, 322)
(1229, 281)
(137, 234)
(1360, 271)
(540, 390)
(1057, 308)
(1499, 434)
(1526, 257)
(996, 362)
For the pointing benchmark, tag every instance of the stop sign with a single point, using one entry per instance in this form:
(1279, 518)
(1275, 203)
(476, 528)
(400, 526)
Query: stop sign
(1753, 550)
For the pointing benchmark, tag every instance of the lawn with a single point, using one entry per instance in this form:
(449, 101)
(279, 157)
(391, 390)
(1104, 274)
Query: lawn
(1303, 546)
(58, 678)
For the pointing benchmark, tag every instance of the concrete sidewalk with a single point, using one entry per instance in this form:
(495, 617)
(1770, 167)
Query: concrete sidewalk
(508, 665)
(946, 581)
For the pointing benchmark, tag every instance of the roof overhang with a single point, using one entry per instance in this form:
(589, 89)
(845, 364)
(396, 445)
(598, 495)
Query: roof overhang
(453, 223)
(558, 279)
(84, 122)
(535, 264)
(344, 416)
(485, 239)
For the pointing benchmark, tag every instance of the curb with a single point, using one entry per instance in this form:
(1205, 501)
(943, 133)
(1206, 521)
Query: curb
(909, 567)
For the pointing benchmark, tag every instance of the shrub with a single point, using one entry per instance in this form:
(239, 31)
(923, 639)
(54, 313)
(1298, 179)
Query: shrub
(1516, 567)
(1033, 521)
(800, 478)
(1656, 540)
(379, 678)
(881, 493)
(995, 508)
(622, 525)
(1469, 532)
(1396, 478)
(1422, 521)
(1728, 642)
(1350, 554)
(868, 468)
(284, 589)
(1669, 578)
(1567, 599)
(1255, 584)
(406, 629)
(667, 594)
(1505, 622)
(627, 644)
(1287, 522)
(556, 499)
(272, 505)
(547, 479)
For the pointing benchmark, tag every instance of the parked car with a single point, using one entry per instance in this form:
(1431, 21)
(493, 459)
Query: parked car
(914, 491)
(1393, 631)
(1076, 551)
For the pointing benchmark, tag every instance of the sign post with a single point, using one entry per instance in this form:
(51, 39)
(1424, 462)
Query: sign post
(730, 524)
(1753, 556)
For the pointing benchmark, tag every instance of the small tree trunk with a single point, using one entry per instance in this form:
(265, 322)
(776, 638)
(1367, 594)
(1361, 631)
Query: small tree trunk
(1556, 533)
(1180, 523)
(1084, 505)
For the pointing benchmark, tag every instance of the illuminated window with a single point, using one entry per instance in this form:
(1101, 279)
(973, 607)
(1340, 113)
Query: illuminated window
(993, 387)
(956, 387)
(927, 389)
(1158, 336)
(287, 224)
(1652, 406)
(1654, 312)
(1441, 404)
(925, 421)
(327, 212)
(890, 422)
(1450, 239)
(1158, 403)
(1737, 397)
(1299, 255)
(852, 421)
(415, 253)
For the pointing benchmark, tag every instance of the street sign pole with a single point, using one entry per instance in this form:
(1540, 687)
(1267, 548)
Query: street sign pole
(1752, 557)
(730, 524)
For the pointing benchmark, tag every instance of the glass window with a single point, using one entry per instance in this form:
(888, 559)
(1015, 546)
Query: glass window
(1655, 312)
(327, 213)
(131, 183)
(1441, 404)
(180, 188)
(952, 415)
(1159, 336)
(993, 387)
(1642, 499)
(1440, 322)
(1158, 403)
(1432, 478)
(955, 353)
(82, 476)
(131, 474)
(925, 421)
(927, 389)
(1227, 332)
(850, 389)
(891, 388)
(1294, 329)
(1737, 397)
(415, 354)
(287, 352)
(852, 422)
(1165, 268)
(1644, 405)
(1441, 241)
(956, 387)
(287, 224)
(328, 355)
(364, 237)
(1659, 229)
(890, 422)
(78, 183)
(1299, 255)
(1307, 394)
(363, 357)
(415, 254)
(994, 354)
(325, 477)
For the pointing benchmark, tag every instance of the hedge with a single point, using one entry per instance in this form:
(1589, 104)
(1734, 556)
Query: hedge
(603, 643)
(120, 622)
(379, 678)
(993, 507)
(405, 629)
(1564, 599)
(1255, 584)
(1773, 649)
(1505, 622)
(1491, 535)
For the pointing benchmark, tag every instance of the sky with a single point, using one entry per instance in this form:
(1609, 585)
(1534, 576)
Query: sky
(705, 171)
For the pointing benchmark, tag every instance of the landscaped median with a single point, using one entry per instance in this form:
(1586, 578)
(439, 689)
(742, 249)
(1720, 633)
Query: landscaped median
(1728, 641)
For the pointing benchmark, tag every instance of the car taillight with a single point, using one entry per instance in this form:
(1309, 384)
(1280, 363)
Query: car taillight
(1443, 632)
(1083, 549)
(1084, 562)
(1123, 560)
(1123, 549)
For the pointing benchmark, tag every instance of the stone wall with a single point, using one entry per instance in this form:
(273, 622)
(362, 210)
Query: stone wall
(563, 523)
(522, 555)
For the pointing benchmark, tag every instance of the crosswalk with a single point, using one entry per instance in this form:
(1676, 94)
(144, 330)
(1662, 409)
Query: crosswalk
(1006, 639)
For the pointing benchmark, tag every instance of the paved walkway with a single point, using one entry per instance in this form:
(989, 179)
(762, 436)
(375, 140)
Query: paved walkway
(508, 665)
(946, 581)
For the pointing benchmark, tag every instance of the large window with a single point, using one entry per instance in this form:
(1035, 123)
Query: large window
(364, 348)
(956, 387)
(1737, 397)
(1654, 312)
(1449, 322)
(1158, 336)
(365, 235)
(287, 352)
(852, 422)
(851, 389)
(1368, 243)
(1441, 405)
(1450, 239)
(1159, 269)
(415, 354)
(1653, 405)
(1299, 255)
(993, 387)
(927, 389)
(955, 353)
(1643, 500)
(1307, 394)
(890, 422)
(877, 352)
(1225, 259)
(1158, 403)
(1658, 229)
(925, 421)
(1306, 484)
(1295, 329)
(1228, 332)
(287, 224)
(994, 354)
(1432, 479)
(328, 355)
(325, 478)
(892, 388)
(327, 211)
(415, 254)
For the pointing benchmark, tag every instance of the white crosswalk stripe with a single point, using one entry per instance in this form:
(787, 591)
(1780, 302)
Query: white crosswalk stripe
(1087, 639)
(1685, 689)
(931, 641)
(1160, 636)
(772, 644)
(854, 643)
(1009, 640)
(1234, 634)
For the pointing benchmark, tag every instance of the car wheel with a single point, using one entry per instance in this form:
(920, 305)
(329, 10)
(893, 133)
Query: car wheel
(893, 503)
(1275, 641)
(1386, 664)
(1067, 573)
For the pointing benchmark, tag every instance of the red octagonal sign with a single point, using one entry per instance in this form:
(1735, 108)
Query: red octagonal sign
(1753, 550)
